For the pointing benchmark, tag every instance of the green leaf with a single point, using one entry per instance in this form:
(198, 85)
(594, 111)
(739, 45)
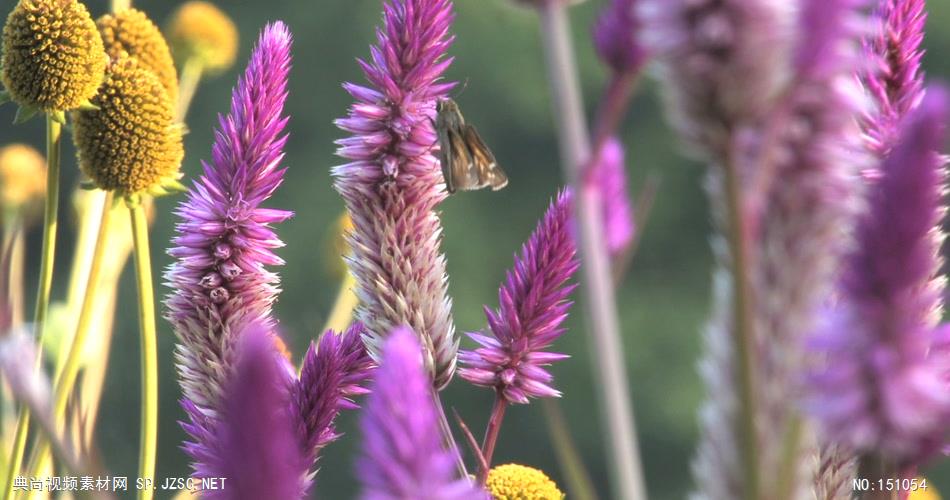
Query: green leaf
(4, 97)
(24, 113)
(87, 185)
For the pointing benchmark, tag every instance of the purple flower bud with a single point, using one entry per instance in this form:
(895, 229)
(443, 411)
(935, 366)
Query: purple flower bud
(533, 304)
(615, 37)
(610, 176)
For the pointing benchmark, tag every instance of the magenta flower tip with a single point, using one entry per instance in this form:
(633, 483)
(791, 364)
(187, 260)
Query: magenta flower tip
(402, 455)
(532, 306)
(333, 373)
(885, 388)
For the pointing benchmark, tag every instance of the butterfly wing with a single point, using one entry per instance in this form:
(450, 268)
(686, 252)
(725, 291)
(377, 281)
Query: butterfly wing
(484, 166)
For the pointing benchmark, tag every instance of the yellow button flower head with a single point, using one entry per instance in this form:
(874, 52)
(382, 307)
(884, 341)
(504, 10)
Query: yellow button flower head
(337, 247)
(131, 143)
(132, 32)
(52, 56)
(22, 176)
(199, 30)
(518, 482)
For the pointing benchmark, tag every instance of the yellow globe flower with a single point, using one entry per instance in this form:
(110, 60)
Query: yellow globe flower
(200, 31)
(52, 57)
(23, 176)
(518, 482)
(132, 33)
(131, 144)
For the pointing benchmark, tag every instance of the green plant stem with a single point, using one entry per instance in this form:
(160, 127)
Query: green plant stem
(51, 214)
(578, 481)
(148, 436)
(191, 73)
(66, 379)
(743, 333)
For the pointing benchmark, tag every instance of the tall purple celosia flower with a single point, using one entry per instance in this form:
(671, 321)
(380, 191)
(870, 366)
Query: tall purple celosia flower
(224, 240)
(532, 306)
(615, 37)
(895, 83)
(764, 90)
(402, 455)
(332, 373)
(880, 391)
(256, 447)
(610, 176)
(393, 183)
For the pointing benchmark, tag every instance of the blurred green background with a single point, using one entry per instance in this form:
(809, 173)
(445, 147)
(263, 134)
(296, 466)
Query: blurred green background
(663, 301)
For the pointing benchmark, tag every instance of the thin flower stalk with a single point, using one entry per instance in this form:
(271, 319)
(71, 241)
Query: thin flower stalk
(604, 328)
(393, 184)
(224, 240)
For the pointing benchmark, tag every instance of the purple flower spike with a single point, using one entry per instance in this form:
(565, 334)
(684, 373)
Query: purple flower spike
(896, 82)
(224, 240)
(610, 175)
(721, 62)
(402, 454)
(393, 183)
(881, 392)
(615, 37)
(330, 378)
(256, 448)
(533, 304)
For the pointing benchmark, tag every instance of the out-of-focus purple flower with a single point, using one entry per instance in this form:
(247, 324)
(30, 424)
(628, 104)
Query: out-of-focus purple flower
(393, 183)
(610, 176)
(894, 80)
(880, 391)
(532, 305)
(721, 62)
(615, 37)
(255, 446)
(767, 90)
(330, 378)
(402, 455)
(224, 240)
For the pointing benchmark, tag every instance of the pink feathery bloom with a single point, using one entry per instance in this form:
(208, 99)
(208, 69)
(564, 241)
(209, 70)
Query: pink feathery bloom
(894, 80)
(532, 307)
(255, 445)
(331, 377)
(721, 63)
(615, 37)
(393, 183)
(881, 392)
(224, 241)
(610, 177)
(402, 455)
